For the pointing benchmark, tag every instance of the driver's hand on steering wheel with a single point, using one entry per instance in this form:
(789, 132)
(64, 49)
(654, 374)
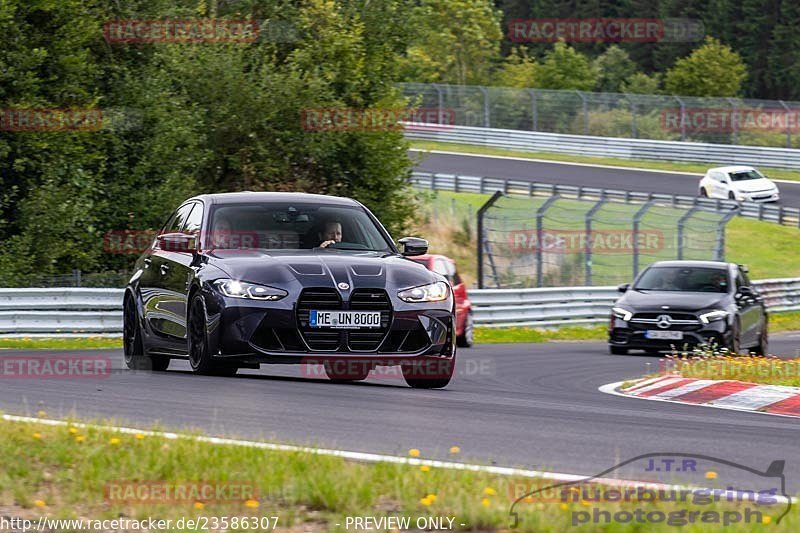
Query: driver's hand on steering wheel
(325, 244)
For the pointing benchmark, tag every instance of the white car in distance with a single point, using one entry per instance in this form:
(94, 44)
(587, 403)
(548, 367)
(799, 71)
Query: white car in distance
(743, 184)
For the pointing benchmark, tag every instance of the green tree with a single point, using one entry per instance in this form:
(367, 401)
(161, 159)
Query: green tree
(454, 41)
(518, 70)
(614, 67)
(640, 83)
(711, 70)
(564, 67)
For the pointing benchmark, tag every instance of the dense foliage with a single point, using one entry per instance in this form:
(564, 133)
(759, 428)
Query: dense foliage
(190, 118)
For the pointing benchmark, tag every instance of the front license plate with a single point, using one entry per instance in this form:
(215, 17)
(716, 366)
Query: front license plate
(668, 335)
(344, 319)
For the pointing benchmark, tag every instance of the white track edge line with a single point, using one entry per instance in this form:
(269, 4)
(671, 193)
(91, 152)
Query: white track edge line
(365, 457)
(611, 388)
(613, 167)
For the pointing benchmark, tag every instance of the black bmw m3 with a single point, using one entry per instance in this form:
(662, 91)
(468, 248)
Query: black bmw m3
(239, 279)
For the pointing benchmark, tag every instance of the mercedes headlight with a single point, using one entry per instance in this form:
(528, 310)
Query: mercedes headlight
(711, 316)
(433, 292)
(249, 291)
(621, 313)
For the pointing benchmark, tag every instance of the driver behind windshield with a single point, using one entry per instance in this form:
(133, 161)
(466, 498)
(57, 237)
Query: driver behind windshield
(331, 234)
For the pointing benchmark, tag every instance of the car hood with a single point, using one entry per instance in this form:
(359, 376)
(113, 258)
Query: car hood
(643, 301)
(753, 185)
(326, 268)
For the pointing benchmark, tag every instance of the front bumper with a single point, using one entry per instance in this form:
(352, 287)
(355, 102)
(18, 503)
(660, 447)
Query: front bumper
(255, 332)
(630, 335)
(758, 197)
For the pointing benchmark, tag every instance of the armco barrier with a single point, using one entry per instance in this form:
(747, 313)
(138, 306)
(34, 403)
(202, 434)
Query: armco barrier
(787, 216)
(535, 141)
(70, 311)
(589, 305)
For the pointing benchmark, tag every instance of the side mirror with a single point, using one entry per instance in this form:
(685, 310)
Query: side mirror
(624, 287)
(414, 246)
(177, 242)
(745, 292)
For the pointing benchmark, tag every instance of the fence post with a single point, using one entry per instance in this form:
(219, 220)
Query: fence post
(634, 131)
(486, 122)
(534, 109)
(681, 224)
(585, 107)
(76, 274)
(683, 117)
(788, 129)
(734, 120)
(637, 218)
(588, 248)
(480, 233)
(719, 251)
(439, 100)
(539, 234)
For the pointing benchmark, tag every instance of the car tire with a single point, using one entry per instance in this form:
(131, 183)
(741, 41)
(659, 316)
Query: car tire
(762, 348)
(467, 339)
(200, 357)
(735, 344)
(731, 196)
(703, 192)
(351, 371)
(617, 350)
(429, 373)
(133, 345)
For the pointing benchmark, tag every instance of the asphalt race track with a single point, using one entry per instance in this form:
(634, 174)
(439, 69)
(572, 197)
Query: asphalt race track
(571, 174)
(532, 406)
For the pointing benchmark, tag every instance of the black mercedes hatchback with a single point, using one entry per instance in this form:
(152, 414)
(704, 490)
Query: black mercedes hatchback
(684, 304)
(239, 279)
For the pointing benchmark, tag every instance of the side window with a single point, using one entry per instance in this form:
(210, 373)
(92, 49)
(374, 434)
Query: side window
(194, 220)
(177, 222)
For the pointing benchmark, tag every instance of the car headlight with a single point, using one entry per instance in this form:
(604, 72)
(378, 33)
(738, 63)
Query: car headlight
(621, 313)
(433, 292)
(711, 316)
(249, 291)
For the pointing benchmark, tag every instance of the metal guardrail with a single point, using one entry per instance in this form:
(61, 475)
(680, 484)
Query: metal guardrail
(66, 312)
(589, 305)
(60, 311)
(787, 216)
(609, 146)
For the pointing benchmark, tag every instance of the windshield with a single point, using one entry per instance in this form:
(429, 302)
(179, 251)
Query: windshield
(295, 226)
(745, 175)
(684, 279)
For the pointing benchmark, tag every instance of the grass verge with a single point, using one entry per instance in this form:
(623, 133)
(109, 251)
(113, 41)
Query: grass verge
(769, 250)
(529, 334)
(696, 168)
(70, 472)
(751, 369)
(55, 343)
